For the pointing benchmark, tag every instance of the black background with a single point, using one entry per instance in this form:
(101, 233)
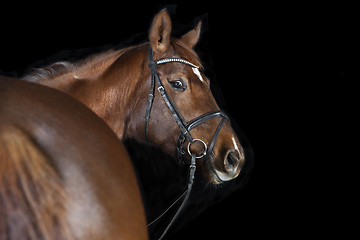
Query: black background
(286, 75)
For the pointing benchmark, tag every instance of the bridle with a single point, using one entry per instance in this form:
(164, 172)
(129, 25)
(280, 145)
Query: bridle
(185, 127)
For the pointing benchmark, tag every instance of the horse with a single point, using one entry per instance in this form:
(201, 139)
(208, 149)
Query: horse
(63, 172)
(156, 93)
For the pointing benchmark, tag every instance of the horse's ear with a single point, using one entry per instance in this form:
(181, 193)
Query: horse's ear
(160, 31)
(192, 37)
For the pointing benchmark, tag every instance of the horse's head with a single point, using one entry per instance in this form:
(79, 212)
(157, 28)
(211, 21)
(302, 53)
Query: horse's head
(188, 91)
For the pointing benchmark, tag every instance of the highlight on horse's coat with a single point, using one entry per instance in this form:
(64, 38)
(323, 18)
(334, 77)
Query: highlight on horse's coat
(63, 173)
(32, 197)
(115, 85)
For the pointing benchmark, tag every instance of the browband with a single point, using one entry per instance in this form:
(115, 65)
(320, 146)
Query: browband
(180, 60)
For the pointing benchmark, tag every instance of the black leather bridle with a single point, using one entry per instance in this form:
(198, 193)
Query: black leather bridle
(185, 127)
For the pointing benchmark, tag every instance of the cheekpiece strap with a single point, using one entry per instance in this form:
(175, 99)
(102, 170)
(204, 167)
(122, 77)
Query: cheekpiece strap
(155, 78)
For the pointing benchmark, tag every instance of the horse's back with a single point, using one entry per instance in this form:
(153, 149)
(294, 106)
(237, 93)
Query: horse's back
(53, 147)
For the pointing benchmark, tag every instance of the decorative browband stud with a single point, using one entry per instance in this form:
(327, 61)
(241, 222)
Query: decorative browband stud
(180, 60)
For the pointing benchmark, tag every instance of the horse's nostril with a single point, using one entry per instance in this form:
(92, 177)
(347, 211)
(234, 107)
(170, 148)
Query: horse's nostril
(232, 161)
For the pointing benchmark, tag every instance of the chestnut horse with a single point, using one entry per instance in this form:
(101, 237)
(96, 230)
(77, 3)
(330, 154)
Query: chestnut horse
(63, 173)
(116, 84)
(155, 92)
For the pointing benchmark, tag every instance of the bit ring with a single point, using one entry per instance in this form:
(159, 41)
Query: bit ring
(198, 140)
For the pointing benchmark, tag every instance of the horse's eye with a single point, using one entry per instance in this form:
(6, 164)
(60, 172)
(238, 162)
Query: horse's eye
(178, 85)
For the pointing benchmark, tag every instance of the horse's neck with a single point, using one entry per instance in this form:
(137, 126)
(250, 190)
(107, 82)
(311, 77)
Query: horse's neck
(106, 88)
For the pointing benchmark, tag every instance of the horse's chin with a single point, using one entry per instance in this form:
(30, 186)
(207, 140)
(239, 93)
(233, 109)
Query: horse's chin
(209, 171)
(214, 176)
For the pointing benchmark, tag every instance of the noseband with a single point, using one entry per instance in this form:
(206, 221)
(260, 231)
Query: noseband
(185, 127)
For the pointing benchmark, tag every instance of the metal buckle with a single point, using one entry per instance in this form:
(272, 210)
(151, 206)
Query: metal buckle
(199, 140)
(161, 88)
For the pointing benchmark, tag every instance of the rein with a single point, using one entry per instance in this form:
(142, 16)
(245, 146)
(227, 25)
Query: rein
(185, 127)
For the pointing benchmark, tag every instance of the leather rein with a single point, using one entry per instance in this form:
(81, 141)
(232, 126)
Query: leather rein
(185, 127)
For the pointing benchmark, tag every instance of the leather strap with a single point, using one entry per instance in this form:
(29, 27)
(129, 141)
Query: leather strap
(205, 117)
(188, 191)
(211, 146)
(148, 106)
(155, 78)
(185, 127)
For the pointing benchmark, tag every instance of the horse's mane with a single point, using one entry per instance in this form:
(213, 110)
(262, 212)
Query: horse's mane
(95, 64)
(50, 71)
(32, 198)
